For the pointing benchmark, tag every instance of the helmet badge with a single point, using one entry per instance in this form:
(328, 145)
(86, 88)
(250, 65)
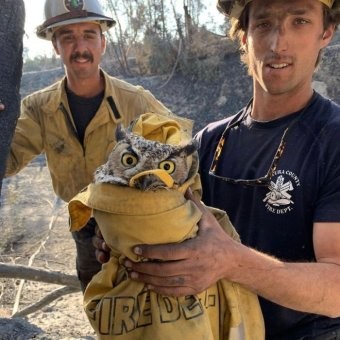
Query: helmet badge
(74, 5)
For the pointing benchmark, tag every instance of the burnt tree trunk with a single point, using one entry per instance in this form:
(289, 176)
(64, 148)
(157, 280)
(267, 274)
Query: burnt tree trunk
(12, 19)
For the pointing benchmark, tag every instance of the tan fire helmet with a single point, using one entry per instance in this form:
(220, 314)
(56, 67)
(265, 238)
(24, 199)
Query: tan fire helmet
(234, 8)
(64, 12)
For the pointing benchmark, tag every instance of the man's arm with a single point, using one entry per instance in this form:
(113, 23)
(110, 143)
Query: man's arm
(195, 264)
(27, 140)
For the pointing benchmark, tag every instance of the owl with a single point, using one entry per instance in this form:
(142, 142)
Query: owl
(133, 154)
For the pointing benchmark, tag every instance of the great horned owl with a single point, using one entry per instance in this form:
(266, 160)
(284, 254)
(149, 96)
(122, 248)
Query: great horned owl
(127, 217)
(134, 154)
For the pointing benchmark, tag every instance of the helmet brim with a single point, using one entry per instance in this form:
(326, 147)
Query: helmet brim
(46, 30)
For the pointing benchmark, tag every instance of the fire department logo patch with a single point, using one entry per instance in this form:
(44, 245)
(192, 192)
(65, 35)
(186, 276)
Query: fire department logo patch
(74, 5)
(279, 198)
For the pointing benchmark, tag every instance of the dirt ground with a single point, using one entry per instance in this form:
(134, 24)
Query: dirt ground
(35, 233)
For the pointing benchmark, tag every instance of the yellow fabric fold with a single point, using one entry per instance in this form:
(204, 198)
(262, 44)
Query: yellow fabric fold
(163, 129)
(124, 309)
(121, 308)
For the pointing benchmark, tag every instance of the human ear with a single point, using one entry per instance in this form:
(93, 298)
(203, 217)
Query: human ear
(103, 44)
(244, 39)
(54, 43)
(327, 35)
(243, 43)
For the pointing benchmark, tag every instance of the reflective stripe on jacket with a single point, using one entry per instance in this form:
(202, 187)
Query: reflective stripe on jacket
(46, 125)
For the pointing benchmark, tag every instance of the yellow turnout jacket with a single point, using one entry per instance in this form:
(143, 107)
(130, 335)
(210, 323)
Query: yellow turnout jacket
(46, 126)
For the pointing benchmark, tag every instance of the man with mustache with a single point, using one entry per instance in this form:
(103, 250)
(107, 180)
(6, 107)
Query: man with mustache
(73, 121)
(275, 169)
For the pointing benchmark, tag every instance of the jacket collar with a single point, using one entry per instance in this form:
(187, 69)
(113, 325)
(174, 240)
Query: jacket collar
(56, 95)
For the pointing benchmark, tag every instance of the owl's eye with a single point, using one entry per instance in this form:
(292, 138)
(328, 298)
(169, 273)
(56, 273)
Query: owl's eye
(129, 159)
(168, 166)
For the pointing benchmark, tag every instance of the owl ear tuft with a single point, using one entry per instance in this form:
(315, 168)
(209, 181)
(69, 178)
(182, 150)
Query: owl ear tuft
(191, 147)
(120, 132)
(186, 149)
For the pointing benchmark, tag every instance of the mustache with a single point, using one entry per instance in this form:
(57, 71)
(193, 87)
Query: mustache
(85, 55)
(278, 58)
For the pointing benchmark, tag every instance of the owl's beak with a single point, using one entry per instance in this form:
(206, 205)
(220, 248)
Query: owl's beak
(145, 180)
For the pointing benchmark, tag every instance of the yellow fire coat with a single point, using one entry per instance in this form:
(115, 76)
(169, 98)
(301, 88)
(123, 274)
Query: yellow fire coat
(46, 126)
(120, 308)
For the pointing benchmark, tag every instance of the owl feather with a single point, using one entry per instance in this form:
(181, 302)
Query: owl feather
(133, 154)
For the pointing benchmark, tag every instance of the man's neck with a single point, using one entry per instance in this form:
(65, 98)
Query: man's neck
(87, 87)
(268, 107)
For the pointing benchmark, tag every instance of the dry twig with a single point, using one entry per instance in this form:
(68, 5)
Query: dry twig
(45, 301)
(16, 271)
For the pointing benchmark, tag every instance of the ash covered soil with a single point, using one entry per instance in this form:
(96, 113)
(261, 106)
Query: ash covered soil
(34, 228)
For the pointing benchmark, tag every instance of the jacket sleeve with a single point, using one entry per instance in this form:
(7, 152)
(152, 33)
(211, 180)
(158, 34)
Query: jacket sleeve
(27, 140)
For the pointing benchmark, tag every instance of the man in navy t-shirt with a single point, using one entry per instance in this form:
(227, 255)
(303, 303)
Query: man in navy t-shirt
(275, 169)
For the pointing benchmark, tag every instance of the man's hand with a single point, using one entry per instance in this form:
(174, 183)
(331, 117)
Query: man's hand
(102, 249)
(188, 267)
(2, 106)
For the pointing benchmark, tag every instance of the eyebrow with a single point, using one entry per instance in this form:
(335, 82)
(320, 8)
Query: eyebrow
(69, 31)
(291, 11)
(301, 11)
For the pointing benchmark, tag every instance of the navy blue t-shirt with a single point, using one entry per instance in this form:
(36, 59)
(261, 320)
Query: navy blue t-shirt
(305, 188)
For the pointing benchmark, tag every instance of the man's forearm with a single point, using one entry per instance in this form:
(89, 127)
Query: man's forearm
(307, 287)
